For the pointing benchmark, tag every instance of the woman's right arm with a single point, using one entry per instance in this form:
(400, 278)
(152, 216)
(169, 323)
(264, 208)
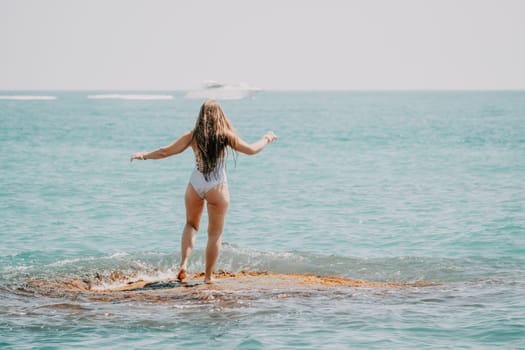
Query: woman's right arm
(175, 147)
(256, 147)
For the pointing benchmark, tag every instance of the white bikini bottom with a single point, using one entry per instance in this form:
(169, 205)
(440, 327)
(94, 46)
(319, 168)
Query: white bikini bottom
(201, 186)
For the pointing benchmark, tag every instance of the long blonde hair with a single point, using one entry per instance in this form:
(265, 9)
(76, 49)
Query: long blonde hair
(212, 134)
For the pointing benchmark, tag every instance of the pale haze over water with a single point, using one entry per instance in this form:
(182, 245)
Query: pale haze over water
(405, 44)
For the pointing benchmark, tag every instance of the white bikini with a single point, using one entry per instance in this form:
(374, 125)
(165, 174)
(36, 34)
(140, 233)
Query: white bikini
(201, 185)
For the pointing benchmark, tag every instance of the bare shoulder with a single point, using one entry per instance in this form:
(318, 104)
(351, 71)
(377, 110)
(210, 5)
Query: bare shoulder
(187, 136)
(232, 136)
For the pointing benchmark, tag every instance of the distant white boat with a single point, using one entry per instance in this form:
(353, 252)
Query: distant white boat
(220, 91)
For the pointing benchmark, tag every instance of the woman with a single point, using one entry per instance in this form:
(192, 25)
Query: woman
(210, 138)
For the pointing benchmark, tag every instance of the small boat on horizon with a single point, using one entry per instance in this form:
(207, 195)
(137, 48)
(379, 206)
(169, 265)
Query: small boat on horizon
(212, 89)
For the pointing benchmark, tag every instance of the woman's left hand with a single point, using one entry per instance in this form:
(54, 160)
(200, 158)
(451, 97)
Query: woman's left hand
(270, 136)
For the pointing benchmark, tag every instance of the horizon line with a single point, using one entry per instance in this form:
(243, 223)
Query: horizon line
(286, 90)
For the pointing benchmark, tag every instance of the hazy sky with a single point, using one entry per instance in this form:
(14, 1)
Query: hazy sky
(325, 44)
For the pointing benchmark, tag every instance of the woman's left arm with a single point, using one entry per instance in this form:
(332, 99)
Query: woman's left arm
(175, 147)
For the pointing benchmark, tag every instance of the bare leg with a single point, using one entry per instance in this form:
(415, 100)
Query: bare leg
(194, 208)
(218, 200)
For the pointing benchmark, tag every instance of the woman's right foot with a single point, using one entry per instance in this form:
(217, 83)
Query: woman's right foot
(182, 275)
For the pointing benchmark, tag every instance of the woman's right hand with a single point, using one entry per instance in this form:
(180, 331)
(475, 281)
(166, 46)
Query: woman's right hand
(270, 136)
(138, 155)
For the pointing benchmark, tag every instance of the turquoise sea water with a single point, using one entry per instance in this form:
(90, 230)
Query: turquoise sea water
(380, 186)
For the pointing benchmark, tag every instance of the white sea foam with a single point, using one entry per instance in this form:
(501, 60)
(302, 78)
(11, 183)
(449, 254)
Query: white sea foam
(26, 97)
(129, 97)
(71, 261)
(147, 277)
(89, 258)
(118, 255)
